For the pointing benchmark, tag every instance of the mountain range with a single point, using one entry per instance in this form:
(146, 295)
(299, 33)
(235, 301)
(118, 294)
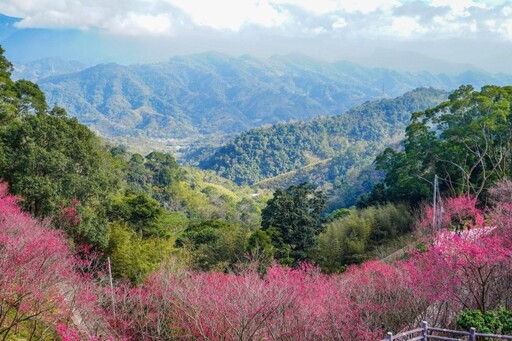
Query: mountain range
(214, 94)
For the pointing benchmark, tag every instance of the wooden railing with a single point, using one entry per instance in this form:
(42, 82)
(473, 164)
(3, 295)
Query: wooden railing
(426, 333)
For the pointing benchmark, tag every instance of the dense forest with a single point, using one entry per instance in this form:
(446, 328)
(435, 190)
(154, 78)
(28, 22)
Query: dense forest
(196, 256)
(333, 153)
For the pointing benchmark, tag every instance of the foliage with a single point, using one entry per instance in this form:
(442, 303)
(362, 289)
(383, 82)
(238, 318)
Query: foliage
(133, 256)
(142, 214)
(351, 238)
(332, 152)
(337, 214)
(214, 245)
(293, 218)
(466, 141)
(39, 289)
(490, 322)
(198, 194)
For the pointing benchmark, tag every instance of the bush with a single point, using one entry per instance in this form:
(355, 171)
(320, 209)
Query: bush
(493, 322)
(349, 239)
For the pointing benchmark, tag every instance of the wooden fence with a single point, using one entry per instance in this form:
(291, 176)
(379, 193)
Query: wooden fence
(426, 333)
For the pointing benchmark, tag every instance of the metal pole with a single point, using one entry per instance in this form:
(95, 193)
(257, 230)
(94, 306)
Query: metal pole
(111, 288)
(434, 206)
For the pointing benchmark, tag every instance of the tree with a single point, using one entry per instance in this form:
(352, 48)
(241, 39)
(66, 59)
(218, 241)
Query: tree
(294, 214)
(51, 161)
(39, 289)
(465, 141)
(141, 213)
(214, 244)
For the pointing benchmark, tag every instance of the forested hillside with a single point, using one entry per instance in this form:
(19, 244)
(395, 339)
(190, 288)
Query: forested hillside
(465, 141)
(195, 256)
(128, 206)
(214, 94)
(333, 152)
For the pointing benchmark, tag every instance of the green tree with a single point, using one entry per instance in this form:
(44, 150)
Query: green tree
(214, 244)
(141, 213)
(351, 238)
(134, 257)
(8, 95)
(293, 218)
(466, 141)
(51, 161)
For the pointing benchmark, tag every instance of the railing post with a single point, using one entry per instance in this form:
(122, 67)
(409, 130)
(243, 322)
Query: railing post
(472, 336)
(390, 336)
(424, 332)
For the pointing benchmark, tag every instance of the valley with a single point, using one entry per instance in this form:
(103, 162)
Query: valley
(255, 170)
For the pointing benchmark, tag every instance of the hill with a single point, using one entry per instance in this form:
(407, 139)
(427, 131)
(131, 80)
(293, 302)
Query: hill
(333, 152)
(212, 94)
(44, 68)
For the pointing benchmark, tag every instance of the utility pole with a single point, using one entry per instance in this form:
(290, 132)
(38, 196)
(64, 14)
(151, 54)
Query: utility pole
(111, 288)
(434, 206)
(437, 208)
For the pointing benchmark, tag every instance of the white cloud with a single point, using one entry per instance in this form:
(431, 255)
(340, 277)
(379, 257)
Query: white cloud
(231, 14)
(368, 6)
(506, 29)
(339, 24)
(507, 11)
(406, 27)
(396, 19)
(319, 7)
(136, 24)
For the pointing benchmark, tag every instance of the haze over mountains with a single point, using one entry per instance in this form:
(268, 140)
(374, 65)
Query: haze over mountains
(206, 94)
(214, 93)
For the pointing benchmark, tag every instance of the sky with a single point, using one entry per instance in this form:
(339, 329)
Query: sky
(458, 31)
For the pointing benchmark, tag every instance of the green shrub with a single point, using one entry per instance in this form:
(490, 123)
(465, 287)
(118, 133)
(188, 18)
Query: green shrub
(494, 322)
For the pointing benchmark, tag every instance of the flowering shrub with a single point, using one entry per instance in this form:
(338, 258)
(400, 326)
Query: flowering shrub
(298, 304)
(38, 286)
(467, 270)
(458, 214)
(43, 285)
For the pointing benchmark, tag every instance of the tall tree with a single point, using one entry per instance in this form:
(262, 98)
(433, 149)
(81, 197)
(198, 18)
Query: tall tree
(465, 141)
(52, 161)
(292, 219)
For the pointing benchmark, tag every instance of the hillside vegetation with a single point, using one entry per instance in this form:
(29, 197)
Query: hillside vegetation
(214, 94)
(335, 153)
(130, 207)
(195, 256)
(465, 141)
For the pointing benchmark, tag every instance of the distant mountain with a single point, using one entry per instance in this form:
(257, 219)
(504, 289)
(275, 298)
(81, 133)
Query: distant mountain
(44, 68)
(216, 94)
(409, 61)
(333, 152)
